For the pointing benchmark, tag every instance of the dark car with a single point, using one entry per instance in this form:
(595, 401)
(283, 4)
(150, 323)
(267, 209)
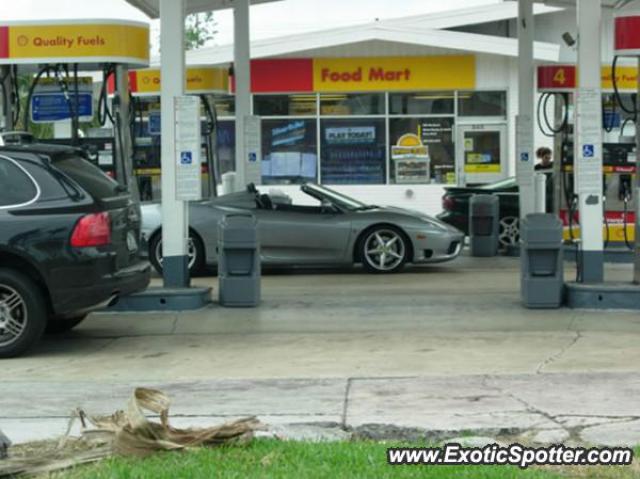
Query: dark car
(68, 242)
(455, 205)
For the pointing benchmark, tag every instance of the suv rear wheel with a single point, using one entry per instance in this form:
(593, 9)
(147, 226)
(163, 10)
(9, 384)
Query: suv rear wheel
(23, 315)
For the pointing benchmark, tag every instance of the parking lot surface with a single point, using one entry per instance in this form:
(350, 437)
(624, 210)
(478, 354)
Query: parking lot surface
(351, 349)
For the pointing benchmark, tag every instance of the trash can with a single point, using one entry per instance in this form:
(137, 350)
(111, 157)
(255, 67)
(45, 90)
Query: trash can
(541, 261)
(484, 225)
(238, 260)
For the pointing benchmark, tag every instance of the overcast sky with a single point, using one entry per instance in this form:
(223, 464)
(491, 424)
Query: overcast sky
(279, 18)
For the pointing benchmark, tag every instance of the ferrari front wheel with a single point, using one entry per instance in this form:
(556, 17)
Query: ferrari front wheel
(384, 250)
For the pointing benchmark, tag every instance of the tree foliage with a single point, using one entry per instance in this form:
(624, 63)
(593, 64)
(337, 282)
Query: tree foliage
(200, 29)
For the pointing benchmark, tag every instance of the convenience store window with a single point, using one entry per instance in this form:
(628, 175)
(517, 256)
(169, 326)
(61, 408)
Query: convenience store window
(225, 105)
(353, 151)
(226, 143)
(289, 151)
(422, 103)
(285, 105)
(482, 103)
(422, 150)
(352, 104)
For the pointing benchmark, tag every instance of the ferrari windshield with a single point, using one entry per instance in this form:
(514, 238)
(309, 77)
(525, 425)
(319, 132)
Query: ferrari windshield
(323, 193)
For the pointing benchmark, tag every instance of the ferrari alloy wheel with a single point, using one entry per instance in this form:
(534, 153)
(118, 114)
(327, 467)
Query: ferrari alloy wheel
(384, 250)
(195, 254)
(509, 231)
(22, 313)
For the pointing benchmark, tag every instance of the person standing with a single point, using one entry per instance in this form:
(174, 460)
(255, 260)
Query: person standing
(544, 156)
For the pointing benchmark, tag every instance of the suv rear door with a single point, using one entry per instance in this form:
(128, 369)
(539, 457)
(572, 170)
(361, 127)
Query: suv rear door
(110, 197)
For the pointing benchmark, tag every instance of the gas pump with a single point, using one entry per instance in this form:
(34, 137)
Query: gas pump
(619, 156)
(47, 80)
(627, 44)
(203, 81)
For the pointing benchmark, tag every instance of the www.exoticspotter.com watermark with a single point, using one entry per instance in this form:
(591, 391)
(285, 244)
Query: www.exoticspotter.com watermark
(513, 455)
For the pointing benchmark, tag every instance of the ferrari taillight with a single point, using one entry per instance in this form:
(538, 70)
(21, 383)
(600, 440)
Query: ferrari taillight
(448, 203)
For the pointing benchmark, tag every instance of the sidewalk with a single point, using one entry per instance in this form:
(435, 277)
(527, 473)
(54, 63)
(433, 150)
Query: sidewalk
(545, 408)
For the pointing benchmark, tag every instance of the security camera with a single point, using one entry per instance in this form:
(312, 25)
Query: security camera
(568, 39)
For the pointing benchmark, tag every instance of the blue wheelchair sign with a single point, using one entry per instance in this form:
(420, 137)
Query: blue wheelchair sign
(524, 156)
(588, 151)
(186, 158)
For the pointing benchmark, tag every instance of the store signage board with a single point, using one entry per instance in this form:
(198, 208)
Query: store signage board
(55, 100)
(199, 80)
(344, 75)
(393, 73)
(253, 149)
(350, 135)
(563, 78)
(589, 142)
(187, 148)
(81, 41)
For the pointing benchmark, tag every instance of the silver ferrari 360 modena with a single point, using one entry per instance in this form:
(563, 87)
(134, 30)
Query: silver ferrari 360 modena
(337, 231)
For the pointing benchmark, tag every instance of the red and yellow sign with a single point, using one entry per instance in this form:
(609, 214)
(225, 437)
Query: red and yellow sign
(199, 80)
(394, 73)
(344, 75)
(79, 42)
(564, 78)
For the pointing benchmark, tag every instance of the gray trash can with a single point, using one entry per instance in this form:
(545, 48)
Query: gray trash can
(238, 260)
(541, 261)
(484, 225)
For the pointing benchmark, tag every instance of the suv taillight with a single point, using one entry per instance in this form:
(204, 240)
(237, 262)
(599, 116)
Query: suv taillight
(92, 230)
(448, 203)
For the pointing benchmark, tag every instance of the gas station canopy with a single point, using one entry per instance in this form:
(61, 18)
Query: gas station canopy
(572, 3)
(86, 42)
(152, 7)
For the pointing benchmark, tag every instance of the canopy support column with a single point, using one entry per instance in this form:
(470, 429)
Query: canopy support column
(242, 77)
(174, 212)
(524, 121)
(588, 143)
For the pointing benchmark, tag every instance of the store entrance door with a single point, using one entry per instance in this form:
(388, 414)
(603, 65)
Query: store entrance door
(481, 152)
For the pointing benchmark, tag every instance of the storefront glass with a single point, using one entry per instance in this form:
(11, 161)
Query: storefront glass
(422, 103)
(344, 140)
(289, 151)
(353, 151)
(482, 103)
(225, 105)
(335, 104)
(422, 150)
(285, 105)
(226, 142)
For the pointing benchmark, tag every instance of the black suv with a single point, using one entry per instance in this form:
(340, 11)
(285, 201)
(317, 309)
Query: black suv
(68, 242)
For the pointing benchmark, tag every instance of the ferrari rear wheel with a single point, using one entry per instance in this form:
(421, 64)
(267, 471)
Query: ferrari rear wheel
(509, 235)
(195, 253)
(384, 250)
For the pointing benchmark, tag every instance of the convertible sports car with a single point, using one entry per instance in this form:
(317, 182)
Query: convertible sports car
(338, 231)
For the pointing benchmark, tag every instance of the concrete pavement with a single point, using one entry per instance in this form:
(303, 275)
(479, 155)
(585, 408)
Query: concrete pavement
(437, 350)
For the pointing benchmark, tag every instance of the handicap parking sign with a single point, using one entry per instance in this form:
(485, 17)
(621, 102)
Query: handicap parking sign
(253, 157)
(588, 151)
(524, 156)
(186, 158)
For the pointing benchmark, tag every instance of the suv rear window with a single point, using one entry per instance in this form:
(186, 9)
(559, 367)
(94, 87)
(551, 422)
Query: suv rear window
(89, 176)
(16, 188)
